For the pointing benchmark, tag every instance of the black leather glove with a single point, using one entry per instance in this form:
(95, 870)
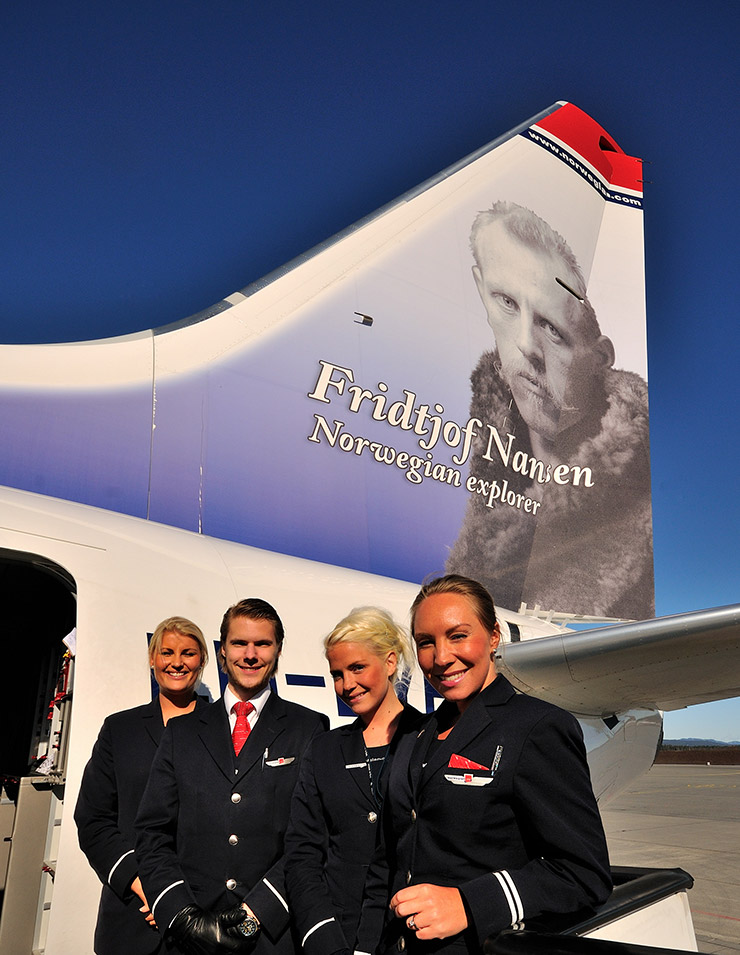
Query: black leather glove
(198, 932)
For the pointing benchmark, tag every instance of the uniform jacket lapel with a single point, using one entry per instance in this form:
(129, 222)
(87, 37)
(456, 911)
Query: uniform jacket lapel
(476, 719)
(353, 754)
(151, 719)
(216, 737)
(422, 744)
(261, 742)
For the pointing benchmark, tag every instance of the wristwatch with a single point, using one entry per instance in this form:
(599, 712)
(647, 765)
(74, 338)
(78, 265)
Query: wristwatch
(249, 927)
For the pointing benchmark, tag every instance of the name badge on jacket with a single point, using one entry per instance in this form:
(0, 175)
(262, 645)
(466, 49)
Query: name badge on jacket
(471, 773)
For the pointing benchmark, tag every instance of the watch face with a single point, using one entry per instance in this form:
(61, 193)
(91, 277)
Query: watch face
(249, 927)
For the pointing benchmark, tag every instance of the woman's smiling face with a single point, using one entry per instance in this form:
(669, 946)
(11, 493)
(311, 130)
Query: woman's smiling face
(177, 664)
(361, 677)
(455, 650)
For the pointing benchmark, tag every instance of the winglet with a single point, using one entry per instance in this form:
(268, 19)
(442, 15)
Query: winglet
(577, 130)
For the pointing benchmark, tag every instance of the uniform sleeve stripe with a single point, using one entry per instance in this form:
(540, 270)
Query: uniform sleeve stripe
(164, 892)
(116, 864)
(515, 894)
(507, 896)
(277, 895)
(312, 930)
(511, 895)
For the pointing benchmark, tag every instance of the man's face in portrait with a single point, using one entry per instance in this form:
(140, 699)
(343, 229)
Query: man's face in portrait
(552, 357)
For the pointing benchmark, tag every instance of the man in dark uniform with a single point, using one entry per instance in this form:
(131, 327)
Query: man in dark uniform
(211, 824)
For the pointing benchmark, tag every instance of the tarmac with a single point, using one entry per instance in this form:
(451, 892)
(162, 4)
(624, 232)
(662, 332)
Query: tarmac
(688, 817)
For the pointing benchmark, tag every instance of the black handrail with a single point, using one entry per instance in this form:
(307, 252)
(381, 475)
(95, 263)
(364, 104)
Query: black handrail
(634, 888)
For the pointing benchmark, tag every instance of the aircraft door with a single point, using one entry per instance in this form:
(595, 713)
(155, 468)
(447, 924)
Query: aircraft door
(38, 604)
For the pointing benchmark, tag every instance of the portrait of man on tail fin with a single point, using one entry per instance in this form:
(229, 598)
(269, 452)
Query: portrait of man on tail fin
(560, 511)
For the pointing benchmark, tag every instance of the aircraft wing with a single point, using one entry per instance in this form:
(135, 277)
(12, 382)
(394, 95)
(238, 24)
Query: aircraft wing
(667, 663)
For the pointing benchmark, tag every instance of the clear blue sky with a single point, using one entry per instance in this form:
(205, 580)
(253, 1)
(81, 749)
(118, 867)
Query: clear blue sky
(159, 155)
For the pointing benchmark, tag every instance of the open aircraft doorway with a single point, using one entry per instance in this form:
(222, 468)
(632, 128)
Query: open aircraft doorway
(38, 600)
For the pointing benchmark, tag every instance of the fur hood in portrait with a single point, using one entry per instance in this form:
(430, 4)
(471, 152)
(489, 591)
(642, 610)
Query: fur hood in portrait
(588, 549)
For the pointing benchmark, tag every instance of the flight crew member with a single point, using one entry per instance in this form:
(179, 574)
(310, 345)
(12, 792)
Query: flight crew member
(114, 781)
(489, 816)
(212, 820)
(335, 814)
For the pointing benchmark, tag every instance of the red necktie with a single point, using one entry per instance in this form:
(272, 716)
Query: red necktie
(242, 728)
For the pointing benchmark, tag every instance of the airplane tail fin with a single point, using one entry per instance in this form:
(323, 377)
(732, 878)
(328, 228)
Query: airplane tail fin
(456, 383)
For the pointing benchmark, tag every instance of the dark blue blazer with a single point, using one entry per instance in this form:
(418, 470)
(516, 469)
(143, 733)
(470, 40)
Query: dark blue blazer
(519, 836)
(333, 833)
(210, 828)
(112, 786)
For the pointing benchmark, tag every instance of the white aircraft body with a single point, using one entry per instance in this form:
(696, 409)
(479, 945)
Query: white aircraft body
(310, 440)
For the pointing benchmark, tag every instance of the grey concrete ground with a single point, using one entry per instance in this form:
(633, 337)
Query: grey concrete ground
(687, 816)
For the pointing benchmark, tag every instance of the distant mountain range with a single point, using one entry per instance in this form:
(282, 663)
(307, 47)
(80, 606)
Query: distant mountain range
(698, 742)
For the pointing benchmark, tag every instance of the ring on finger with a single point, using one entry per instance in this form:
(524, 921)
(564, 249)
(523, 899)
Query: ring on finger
(412, 924)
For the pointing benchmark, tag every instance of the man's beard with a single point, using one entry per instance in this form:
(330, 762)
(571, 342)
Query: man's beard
(538, 407)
